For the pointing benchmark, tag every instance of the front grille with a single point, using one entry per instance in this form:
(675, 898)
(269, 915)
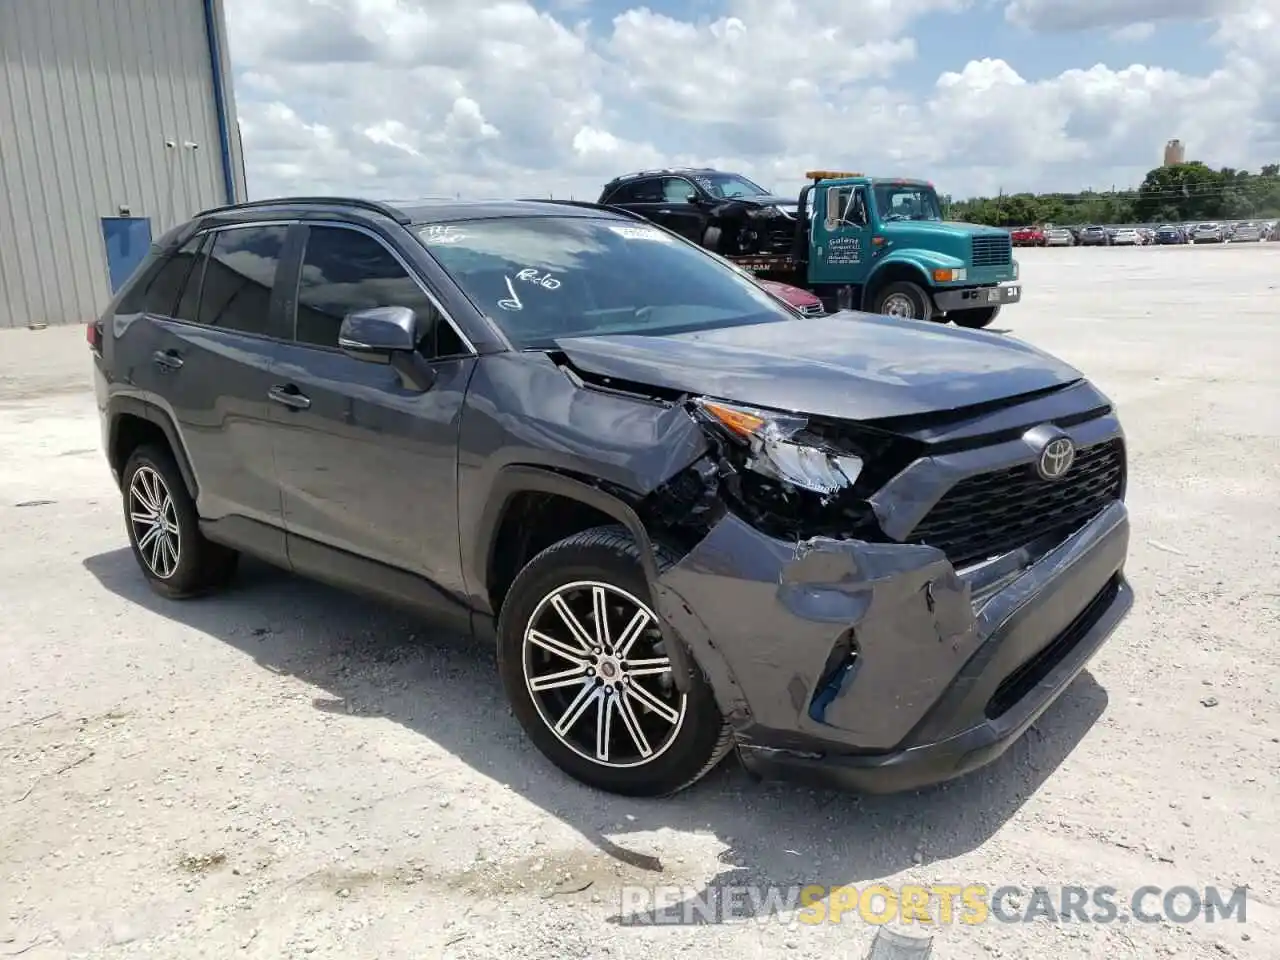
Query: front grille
(813, 310)
(993, 251)
(993, 513)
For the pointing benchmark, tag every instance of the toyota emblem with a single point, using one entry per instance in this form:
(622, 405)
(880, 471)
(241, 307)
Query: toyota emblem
(1056, 458)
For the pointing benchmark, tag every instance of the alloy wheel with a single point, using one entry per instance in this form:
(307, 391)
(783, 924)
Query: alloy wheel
(153, 518)
(595, 667)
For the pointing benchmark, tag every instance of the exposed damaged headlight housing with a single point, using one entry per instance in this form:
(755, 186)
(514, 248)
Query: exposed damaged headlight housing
(775, 452)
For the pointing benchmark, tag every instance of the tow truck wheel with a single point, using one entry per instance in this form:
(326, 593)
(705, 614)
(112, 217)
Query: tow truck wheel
(904, 300)
(975, 319)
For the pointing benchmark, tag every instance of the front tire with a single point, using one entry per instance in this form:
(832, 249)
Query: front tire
(975, 319)
(164, 529)
(904, 300)
(585, 668)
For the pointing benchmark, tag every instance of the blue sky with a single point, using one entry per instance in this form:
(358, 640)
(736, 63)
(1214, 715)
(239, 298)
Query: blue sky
(493, 97)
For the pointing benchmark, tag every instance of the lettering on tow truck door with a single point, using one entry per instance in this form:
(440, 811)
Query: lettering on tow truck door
(844, 249)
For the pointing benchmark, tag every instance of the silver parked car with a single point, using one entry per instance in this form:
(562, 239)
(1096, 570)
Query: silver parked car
(1246, 233)
(1059, 237)
(1208, 233)
(1126, 237)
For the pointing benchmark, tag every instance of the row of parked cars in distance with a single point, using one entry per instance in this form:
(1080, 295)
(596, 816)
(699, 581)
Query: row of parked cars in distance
(1097, 235)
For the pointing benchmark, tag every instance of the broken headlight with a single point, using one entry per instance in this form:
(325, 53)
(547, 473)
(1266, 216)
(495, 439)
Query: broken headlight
(777, 449)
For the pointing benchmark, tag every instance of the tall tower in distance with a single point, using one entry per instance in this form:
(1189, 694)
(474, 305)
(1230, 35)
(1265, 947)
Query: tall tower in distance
(1174, 153)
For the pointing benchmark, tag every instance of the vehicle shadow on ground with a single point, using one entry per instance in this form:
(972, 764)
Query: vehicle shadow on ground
(377, 661)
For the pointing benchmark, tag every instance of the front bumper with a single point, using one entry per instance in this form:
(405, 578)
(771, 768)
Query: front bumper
(973, 298)
(878, 667)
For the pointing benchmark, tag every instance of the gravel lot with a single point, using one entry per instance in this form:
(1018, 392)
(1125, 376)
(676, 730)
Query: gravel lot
(290, 771)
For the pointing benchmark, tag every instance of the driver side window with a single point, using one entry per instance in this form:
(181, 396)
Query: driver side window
(846, 205)
(344, 271)
(675, 190)
(857, 212)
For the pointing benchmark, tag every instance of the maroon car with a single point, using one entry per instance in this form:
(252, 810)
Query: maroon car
(804, 301)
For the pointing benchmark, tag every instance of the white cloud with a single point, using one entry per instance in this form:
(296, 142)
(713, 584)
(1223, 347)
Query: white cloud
(412, 98)
(1134, 32)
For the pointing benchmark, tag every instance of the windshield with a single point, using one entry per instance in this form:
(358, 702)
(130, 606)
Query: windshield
(907, 202)
(542, 278)
(726, 186)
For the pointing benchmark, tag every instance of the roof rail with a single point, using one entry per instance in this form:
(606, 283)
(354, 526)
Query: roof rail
(373, 206)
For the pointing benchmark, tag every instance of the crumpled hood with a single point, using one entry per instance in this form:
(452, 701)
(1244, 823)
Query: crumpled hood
(848, 365)
(767, 200)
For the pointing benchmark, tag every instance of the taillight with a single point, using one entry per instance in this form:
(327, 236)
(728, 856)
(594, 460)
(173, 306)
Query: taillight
(93, 334)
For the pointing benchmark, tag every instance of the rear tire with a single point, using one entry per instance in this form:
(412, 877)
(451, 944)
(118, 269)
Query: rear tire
(164, 528)
(573, 688)
(904, 300)
(975, 319)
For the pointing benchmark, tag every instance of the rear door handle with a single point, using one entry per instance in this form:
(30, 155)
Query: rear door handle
(290, 396)
(167, 359)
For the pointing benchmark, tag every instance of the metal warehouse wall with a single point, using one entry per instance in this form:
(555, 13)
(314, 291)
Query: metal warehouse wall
(90, 90)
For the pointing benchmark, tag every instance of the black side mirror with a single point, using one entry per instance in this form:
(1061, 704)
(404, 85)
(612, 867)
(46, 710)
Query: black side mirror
(376, 334)
(388, 335)
(694, 199)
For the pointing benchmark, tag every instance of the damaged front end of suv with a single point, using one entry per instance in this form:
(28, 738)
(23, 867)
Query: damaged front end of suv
(887, 604)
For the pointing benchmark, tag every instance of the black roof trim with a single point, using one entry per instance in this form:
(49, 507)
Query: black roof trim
(664, 171)
(373, 206)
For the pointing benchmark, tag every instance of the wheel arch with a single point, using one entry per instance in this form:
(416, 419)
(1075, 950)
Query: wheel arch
(894, 271)
(132, 422)
(510, 495)
(516, 482)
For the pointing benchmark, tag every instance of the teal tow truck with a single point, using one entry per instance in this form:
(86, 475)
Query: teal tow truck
(881, 245)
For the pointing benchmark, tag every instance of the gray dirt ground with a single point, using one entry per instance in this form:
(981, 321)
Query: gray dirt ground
(289, 771)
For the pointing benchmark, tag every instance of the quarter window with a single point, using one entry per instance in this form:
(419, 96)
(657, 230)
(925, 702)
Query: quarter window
(238, 278)
(189, 303)
(160, 295)
(624, 193)
(344, 271)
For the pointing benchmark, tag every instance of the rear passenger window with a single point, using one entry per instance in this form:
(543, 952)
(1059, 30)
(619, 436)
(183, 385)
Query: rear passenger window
(344, 271)
(647, 191)
(238, 277)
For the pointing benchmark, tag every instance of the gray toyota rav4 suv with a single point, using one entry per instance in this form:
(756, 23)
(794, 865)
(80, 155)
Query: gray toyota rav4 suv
(863, 551)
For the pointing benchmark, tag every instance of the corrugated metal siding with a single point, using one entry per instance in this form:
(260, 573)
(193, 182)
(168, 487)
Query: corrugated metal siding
(90, 90)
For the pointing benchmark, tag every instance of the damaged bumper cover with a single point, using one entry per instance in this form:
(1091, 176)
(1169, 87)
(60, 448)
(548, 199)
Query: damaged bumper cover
(878, 667)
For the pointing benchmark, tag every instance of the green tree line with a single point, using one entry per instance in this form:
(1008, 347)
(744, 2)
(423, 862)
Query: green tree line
(1181, 192)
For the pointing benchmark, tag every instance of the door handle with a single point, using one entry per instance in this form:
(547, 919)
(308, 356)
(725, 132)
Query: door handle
(288, 395)
(167, 359)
